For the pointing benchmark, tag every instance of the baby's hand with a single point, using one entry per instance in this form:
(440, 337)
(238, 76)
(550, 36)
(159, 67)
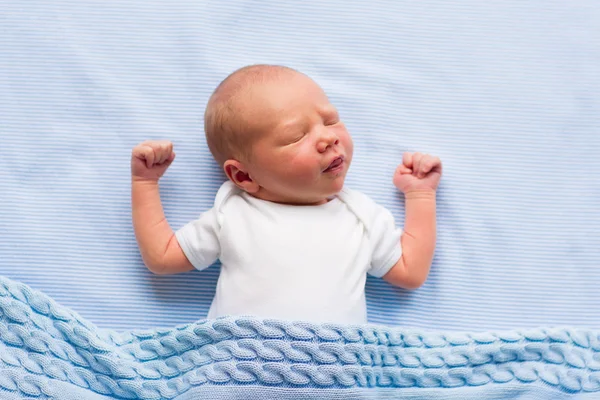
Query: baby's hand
(418, 172)
(150, 160)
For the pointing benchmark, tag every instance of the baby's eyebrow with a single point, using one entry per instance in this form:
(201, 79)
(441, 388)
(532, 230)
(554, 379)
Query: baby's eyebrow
(290, 125)
(293, 124)
(290, 128)
(328, 110)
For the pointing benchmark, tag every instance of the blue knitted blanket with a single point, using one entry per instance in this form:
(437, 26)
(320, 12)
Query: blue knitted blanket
(48, 351)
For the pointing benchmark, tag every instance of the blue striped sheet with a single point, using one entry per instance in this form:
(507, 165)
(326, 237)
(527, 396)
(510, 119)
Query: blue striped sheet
(507, 93)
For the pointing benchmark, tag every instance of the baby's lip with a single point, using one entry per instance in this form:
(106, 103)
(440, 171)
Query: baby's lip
(337, 161)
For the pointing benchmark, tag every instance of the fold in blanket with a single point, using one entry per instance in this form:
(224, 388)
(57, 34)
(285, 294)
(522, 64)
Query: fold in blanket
(48, 350)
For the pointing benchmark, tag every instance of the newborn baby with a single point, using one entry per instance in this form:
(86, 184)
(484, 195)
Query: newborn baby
(293, 241)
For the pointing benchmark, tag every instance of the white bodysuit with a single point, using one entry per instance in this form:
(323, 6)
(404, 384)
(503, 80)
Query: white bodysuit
(293, 262)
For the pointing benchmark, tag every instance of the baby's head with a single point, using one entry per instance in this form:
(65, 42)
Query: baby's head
(277, 136)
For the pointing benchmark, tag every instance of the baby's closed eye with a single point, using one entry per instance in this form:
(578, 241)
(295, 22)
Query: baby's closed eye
(297, 137)
(292, 134)
(332, 121)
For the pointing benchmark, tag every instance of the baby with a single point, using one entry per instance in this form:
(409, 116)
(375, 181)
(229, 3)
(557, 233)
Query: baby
(293, 241)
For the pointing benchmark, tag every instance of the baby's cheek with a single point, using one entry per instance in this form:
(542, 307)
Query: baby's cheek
(348, 145)
(303, 169)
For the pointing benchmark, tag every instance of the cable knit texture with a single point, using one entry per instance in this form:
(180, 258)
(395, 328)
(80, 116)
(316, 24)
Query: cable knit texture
(42, 343)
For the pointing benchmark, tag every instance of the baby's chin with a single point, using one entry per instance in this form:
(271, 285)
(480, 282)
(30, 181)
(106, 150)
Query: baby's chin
(335, 187)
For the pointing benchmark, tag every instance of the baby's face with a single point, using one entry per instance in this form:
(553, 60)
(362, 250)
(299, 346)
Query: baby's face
(304, 152)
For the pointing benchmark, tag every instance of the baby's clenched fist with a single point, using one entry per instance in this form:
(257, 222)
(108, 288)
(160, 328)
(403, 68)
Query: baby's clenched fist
(418, 172)
(150, 159)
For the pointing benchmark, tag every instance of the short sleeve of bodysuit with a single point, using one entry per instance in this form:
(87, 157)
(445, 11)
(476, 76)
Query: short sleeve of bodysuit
(199, 239)
(385, 242)
(383, 235)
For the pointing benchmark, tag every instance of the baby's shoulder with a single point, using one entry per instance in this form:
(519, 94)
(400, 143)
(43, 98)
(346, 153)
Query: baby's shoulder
(362, 205)
(226, 192)
(353, 195)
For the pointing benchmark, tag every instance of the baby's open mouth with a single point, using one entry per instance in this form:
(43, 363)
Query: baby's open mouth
(335, 164)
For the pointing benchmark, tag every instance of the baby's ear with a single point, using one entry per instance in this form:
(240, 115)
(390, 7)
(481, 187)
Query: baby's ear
(238, 174)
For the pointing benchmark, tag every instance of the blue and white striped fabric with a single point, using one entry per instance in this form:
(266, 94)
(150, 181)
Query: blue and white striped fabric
(507, 93)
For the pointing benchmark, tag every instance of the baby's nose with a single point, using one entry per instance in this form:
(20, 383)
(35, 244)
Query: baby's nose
(327, 141)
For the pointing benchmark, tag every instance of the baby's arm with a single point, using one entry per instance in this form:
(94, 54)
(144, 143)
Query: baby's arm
(157, 242)
(417, 177)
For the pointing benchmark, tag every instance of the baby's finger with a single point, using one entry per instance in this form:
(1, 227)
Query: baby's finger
(407, 159)
(162, 155)
(171, 157)
(157, 149)
(437, 165)
(166, 149)
(403, 170)
(417, 159)
(427, 164)
(147, 153)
